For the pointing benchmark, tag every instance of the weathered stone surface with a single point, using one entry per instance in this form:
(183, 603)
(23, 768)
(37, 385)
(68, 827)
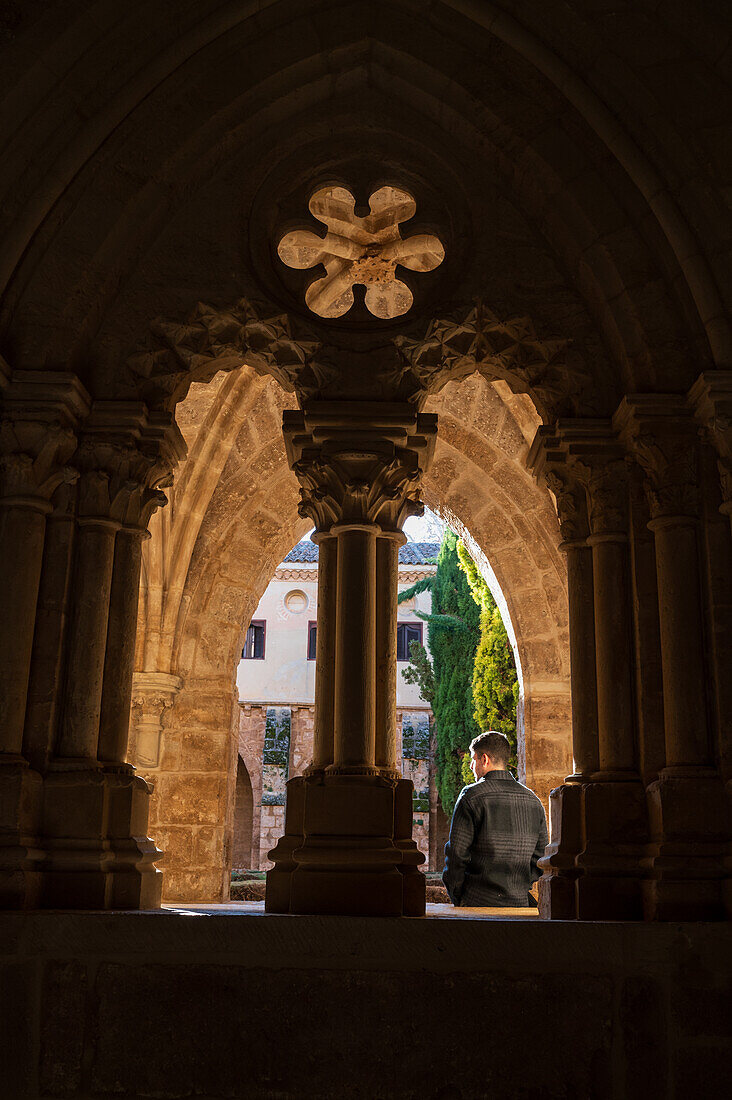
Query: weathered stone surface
(64, 993)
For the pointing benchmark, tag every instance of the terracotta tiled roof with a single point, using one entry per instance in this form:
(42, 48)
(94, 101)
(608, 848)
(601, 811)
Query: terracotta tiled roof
(412, 553)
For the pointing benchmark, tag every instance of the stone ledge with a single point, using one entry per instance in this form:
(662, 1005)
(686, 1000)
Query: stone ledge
(475, 940)
(227, 1001)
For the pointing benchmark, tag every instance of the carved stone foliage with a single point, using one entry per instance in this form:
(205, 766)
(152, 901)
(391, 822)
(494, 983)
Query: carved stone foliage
(38, 432)
(506, 349)
(220, 339)
(126, 458)
(571, 505)
(606, 481)
(33, 457)
(670, 465)
(711, 399)
(351, 472)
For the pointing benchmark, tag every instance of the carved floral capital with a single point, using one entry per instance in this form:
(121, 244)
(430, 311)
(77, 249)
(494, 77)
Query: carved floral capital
(353, 471)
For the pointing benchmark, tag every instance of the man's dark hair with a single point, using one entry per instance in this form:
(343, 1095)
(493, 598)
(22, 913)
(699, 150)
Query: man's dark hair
(493, 744)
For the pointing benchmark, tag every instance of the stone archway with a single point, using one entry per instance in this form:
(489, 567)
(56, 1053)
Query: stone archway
(234, 517)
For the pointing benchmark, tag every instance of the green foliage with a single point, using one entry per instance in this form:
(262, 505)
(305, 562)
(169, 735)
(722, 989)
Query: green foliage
(495, 683)
(452, 635)
(470, 681)
(466, 771)
(424, 585)
(419, 671)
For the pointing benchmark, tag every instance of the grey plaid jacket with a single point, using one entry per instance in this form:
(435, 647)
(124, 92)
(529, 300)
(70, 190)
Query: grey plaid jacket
(497, 836)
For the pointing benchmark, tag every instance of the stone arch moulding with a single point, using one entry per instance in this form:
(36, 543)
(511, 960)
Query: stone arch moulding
(507, 350)
(234, 517)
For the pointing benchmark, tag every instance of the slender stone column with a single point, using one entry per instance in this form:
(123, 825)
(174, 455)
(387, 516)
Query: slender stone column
(32, 454)
(22, 529)
(88, 639)
(387, 609)
(325, 654)
(583, 669)
(557, 889)
(355, 678)
(47, 662)
(95, 809)
(347, 846)
(687, 802)
(36, 440)
(120, 648)
(710, 399)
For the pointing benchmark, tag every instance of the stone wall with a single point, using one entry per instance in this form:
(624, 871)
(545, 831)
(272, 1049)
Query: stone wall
(166, 1005)
(191, 809)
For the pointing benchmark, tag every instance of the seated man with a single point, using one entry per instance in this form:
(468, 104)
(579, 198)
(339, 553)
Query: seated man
(497, 835)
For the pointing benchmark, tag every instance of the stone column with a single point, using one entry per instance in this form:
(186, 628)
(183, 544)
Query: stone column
(710, 399)
(387, 609)
(557, 889)
(92, 582)
(119, 656)
(347, 846)
(687, 802)
(95, 809)
(355, 679)
(325, 654)
(613, 804)
(40, 413)
(44, 703)
(152, 694)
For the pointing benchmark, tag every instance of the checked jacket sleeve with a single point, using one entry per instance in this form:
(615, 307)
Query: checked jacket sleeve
(457, 849)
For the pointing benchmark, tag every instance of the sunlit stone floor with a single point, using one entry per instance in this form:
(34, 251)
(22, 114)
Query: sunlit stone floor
(256, 908)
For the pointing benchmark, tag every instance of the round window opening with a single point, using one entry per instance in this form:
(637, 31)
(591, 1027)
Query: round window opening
(363, 251)
(296, 602)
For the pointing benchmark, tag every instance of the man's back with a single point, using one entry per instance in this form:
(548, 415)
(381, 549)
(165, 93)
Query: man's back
(498, 834)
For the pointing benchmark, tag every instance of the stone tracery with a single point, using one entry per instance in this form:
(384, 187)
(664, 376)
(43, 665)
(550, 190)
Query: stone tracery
(360, 250)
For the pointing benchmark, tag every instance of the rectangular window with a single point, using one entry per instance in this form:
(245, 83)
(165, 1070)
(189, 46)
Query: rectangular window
(407, 633)
(254, 645)
(312, 640)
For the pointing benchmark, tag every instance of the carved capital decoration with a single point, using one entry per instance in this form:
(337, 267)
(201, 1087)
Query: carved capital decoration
(606, 482)
(38, 433)
(33, 459)
(710, 398)
(670, 465)
(126, 457)
(359, 466)
(662, 437)
(152, 694)
(221, 339)
(547, 459)
(571, 506)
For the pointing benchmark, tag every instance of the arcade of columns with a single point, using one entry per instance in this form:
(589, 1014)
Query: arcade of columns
(639, 828)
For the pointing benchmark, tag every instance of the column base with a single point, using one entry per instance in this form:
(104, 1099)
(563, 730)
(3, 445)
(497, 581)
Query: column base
(340, 855)
(97, 854)
(611, 863)
(557, 894)
(688, 872)
(20, 792)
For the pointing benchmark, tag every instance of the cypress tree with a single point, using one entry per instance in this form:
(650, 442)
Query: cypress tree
(453, 630)
(495, 683)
